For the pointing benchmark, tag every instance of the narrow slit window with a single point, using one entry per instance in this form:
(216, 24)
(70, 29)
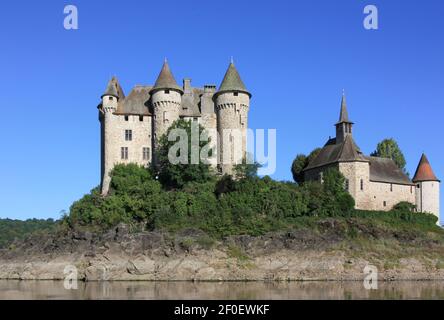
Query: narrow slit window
(146, 153)
(124, 153)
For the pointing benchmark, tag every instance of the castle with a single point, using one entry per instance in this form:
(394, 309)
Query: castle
(132, 125)
(375, 183)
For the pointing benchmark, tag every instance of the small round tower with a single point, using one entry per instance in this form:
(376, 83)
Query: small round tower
(232, 102)
(107, 108)
(166, 99)
(427, 188)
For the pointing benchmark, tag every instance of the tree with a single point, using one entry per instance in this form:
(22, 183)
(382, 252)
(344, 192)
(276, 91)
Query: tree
(300, 163)
(389, 148)
(246, 170)
(176, 175)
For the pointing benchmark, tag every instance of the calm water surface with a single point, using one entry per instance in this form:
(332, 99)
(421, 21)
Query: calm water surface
(221, 290)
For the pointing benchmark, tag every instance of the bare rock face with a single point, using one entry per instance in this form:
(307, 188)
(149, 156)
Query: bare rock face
(120, 254)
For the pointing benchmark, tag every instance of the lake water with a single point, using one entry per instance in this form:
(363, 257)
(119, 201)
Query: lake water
(221, 290)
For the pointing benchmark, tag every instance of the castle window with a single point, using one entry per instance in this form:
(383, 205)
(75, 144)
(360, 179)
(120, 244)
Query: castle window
(146, 153)
(385, 203)
(347, 184)
(411, 189)
(126, 118)
(235, 94)
(391, 187)
(140, 118)
(167, 91)
(362, 185)
(124, 153)
(128, 135)
(111, 98)
(195, 119)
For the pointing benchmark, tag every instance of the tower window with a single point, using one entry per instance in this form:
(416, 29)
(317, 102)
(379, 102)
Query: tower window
(146, 153)
(124, 153)
(347, 184)
(111, 98)
(140, 118)
(362, 185)
(385, 203)
(391, 187)
(235, 94)
(128, 135)
(167, 91)
(126, 118)
(411, 189)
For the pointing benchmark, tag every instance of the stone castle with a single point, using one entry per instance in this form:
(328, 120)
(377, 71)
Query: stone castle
(131, 125)
(375, 183)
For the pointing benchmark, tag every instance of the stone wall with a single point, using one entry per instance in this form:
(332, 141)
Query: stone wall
(232, 123)
(386, 195)
(114, 140)
(427, 197)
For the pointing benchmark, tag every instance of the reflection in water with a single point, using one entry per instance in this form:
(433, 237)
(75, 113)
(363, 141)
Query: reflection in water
(221, 290)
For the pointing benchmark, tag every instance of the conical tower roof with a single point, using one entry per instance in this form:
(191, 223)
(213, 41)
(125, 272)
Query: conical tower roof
(424, 172)
(232, 81)
(166, 80)
(343, 115)
(114, 89)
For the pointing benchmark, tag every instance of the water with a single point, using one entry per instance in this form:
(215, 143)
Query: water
(29, 290)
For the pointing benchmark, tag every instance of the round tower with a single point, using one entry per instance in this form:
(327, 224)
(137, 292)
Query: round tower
(107, 108)
(427, 188)
(232, 102)
(166, 99)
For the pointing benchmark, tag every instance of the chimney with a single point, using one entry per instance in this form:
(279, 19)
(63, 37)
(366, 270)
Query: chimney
(186, 86)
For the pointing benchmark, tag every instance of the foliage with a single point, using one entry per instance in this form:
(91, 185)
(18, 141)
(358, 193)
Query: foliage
(246, 170)
(18, 229)
(250, 206)
(300, 163)
(389, 148)
(176, 175)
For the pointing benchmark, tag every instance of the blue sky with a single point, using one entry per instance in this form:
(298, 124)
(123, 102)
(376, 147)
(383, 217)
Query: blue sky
(294, 56)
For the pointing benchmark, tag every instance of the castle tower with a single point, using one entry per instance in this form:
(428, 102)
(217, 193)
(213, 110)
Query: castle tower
(107, 108)
(427, 191)
(166, 99)
(344, 126)
(232, 104)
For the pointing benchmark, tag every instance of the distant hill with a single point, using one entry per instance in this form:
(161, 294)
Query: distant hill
(18, 229)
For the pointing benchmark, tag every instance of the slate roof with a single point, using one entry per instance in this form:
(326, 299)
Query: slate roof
(343, 115)
(114, 89)
(424, 172)
(386, 170)
(381, 169)
(166, 80)
(333, 153)
(136, 103)
(232, 81)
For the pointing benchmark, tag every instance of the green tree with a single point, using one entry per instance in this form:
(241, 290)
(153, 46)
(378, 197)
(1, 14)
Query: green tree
(300, 163)
(389, 148)
(176, 175)
(246, 170)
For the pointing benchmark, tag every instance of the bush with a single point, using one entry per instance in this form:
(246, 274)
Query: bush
(251, 206)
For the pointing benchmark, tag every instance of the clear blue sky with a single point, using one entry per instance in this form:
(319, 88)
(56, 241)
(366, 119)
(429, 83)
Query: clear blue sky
(294, 56)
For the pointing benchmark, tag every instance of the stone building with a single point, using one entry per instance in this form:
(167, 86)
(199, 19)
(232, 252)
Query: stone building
(375, 183)
(132, 125)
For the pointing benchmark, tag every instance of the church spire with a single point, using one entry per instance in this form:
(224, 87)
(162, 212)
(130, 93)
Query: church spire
(344, 125)
(343, 116)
